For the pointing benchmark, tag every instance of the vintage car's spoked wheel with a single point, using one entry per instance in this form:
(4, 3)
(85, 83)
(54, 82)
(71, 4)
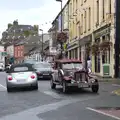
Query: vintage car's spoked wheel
(65, 87)
(95, 88)
(53, 85)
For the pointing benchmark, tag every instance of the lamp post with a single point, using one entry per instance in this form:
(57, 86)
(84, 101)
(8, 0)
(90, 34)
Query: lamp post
(42, 43)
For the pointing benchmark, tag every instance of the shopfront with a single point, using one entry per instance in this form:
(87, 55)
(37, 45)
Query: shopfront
(99, 60)
(82, 48)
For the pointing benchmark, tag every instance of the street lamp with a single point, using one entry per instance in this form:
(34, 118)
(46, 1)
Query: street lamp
(61, 26)
(42, 43)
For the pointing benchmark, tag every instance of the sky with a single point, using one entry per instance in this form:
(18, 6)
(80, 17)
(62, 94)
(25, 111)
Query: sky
(29, 12)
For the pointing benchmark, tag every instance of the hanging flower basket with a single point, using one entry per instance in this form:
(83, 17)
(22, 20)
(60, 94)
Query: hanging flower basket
(62, 37)
(95, 48)
(88, 49)
(105, 45)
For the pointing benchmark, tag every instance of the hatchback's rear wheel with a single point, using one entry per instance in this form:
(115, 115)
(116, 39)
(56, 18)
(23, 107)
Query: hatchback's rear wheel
(35, 87)
(9, 89)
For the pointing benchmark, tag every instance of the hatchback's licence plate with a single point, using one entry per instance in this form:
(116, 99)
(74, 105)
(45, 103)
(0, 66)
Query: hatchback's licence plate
(21, 80)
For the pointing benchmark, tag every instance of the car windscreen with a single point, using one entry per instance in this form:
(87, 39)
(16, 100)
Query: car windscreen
(30, 61)
(42, 65)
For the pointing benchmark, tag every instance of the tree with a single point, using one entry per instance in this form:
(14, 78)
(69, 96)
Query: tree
(15, 22)
(27, 33)
(35, 27)
(9, 25)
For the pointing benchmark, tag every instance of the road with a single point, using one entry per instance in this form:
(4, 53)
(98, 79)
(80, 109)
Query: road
(47, 104)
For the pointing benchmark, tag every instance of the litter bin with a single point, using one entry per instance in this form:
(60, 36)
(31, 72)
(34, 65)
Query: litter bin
(106, 70)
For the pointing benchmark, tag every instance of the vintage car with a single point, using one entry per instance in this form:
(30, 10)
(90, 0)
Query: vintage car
(71, 73)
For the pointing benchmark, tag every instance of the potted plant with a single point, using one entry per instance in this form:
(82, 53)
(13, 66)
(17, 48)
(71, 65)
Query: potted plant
(95, 48)
(62, 37)
(88, 48)
(105, 45)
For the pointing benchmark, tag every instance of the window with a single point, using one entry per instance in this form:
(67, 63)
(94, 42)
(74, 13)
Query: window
(89, 24)
(82, 24)
(103, 9)
(18, 53)
(85, 22)
(21, 53)
(81, 2)
(110, 6)
(97, 11)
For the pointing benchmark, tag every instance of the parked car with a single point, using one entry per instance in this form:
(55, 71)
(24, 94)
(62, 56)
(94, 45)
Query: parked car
(21, 75)
(71, 73)
(2, 66)
(7, 67)
(43, 70)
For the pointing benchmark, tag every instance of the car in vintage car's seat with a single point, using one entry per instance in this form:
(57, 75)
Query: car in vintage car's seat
(71, 73)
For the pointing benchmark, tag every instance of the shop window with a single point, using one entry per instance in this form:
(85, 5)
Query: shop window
(70, 55)
(76, 54)
(97, 59)
(106, 55)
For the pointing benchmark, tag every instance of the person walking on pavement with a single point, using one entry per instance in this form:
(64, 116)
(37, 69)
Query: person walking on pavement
(89, 64)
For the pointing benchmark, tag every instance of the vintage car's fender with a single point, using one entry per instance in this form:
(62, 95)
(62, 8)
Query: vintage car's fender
(61, 71)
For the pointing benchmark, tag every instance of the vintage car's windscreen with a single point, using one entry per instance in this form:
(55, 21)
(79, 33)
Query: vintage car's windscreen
(78, 65)
(72, 65)
(68, 66)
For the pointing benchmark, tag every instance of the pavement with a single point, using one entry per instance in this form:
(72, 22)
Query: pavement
(47, 104)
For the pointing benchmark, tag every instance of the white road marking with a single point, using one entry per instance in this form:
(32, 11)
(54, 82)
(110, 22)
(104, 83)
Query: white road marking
(116, 85)
(53, 94)
(100, 112)
(3, 86)
(32, 113)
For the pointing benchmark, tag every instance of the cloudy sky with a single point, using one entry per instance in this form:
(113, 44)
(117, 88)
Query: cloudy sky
(28, 12)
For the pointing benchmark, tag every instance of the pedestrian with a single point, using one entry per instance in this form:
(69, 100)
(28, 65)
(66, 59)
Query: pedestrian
(89, 64)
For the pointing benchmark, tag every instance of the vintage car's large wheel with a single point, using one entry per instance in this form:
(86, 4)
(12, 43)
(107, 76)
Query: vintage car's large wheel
(95, 88)
(53, 85)
(65, 87)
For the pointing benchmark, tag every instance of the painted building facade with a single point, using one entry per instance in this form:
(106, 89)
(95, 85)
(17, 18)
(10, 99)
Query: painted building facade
(19, 53)
(92, 21)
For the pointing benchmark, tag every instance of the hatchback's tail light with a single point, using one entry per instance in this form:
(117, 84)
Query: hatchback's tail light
(33, 76)
(10, 78)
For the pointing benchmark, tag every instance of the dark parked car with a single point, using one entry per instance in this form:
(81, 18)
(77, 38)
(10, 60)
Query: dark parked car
(71, 73)
(43, 70)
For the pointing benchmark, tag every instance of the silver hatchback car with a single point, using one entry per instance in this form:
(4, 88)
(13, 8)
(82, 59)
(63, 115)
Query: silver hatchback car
(21, 75)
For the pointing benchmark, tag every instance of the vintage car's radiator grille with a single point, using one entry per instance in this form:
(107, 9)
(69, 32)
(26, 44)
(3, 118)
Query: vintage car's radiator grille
(80, 76)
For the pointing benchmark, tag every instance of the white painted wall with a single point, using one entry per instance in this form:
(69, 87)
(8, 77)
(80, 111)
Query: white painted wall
(10, 50)
(2, 58)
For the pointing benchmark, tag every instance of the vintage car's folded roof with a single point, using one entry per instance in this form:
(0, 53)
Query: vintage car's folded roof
(68, 61)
